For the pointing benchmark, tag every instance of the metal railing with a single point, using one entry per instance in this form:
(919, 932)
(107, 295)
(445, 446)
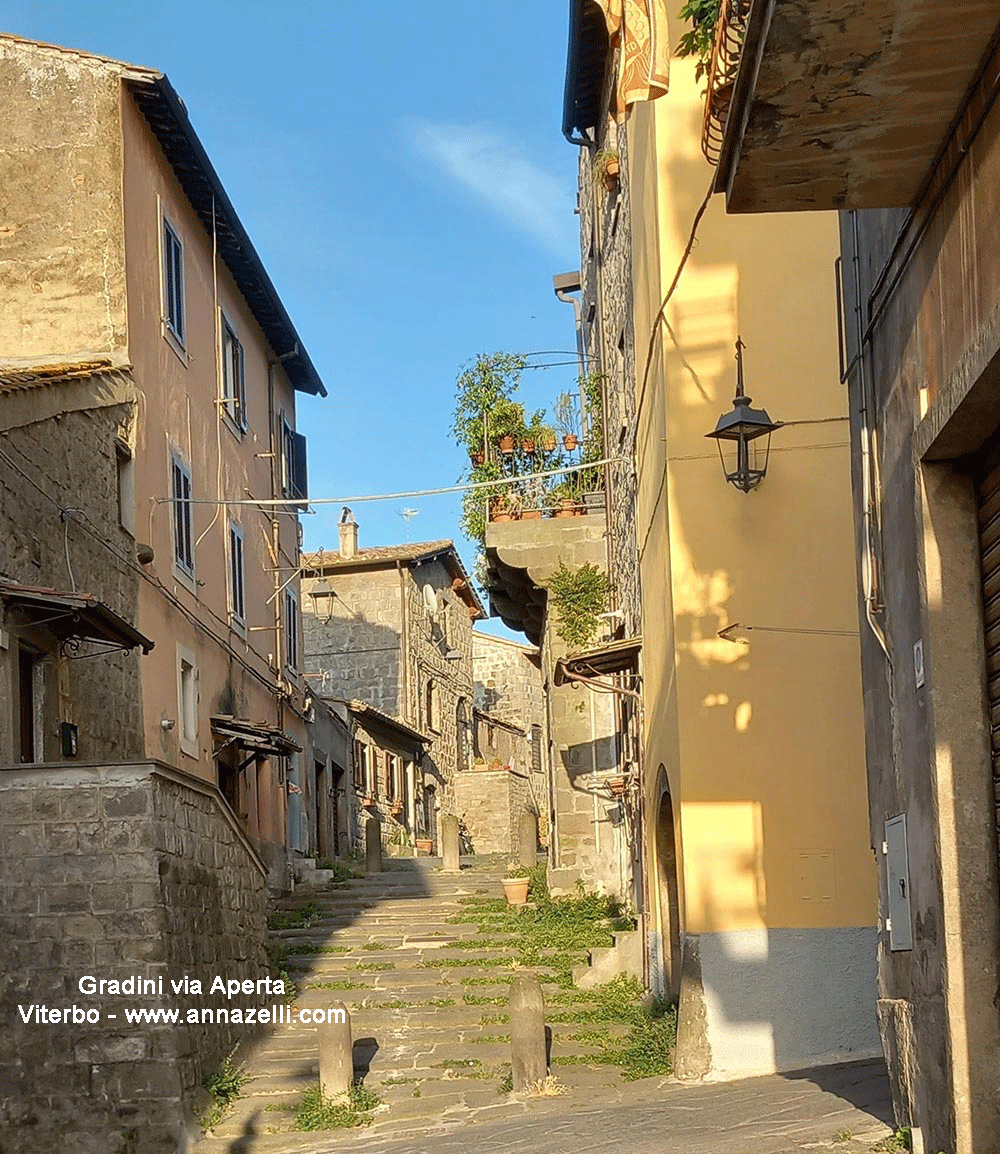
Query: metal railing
(722, 69)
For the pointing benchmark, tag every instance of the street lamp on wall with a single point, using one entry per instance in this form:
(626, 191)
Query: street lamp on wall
(743, 436)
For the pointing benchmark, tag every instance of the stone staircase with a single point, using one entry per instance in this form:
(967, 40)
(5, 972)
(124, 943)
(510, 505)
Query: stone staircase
(417, 1002)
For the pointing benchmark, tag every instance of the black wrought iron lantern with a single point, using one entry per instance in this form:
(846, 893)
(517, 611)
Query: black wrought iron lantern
(743, 436)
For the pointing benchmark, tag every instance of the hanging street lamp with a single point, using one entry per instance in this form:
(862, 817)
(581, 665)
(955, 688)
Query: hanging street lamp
(744, 458)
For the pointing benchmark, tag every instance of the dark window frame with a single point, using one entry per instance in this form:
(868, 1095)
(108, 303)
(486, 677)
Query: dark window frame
(173, 283)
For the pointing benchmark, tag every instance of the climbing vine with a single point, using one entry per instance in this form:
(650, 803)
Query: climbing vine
(700, 37)
(580, 596)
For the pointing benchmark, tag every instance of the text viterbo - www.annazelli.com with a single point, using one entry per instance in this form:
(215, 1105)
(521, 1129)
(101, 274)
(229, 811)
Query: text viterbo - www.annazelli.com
(277, 1013)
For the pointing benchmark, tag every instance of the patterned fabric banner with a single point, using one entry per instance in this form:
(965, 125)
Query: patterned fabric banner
(640, 27)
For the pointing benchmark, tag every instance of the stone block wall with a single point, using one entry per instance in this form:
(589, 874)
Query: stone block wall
(491, 803)
(117, 872)
(46, 465)
(351, 636)
(452, 630)
(508, 686)
(606, 256)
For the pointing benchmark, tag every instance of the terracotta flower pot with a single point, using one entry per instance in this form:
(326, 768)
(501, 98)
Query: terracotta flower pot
(530, 514)
(528, 445)
(570, 442)
(477, 458)
(566, 508)
(506, 444)
(549, 442)
(501, 515)
(516, 890)
(424, 845)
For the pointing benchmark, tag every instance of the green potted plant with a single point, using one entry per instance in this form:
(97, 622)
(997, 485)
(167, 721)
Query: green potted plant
(562, 498)
(564, 415)
(516, 884)
(507, 425)
(606, 167)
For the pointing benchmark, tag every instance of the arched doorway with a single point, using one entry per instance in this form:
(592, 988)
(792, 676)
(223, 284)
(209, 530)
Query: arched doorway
(666, 869)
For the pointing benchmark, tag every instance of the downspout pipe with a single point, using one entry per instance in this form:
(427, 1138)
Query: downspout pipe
(563, 284)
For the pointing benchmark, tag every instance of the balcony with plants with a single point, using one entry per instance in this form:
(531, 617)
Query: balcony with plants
(539, 464)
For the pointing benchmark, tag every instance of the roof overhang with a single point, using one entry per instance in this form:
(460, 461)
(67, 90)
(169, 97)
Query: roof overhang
(521, 556)
(615, 657)
(586, 60)
(74, 617)
(167, 117)
(848, 105)
(255, 737)
(369, 715)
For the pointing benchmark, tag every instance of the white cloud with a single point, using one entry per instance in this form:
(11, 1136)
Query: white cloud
(491, 166)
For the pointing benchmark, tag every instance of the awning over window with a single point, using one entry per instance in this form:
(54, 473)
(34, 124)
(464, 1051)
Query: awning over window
(255, 737)
(615, 657)
(74, 617)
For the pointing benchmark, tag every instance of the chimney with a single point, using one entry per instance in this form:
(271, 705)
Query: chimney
(348, 535)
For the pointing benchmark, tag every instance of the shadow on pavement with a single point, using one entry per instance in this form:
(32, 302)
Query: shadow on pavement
(865, 1085)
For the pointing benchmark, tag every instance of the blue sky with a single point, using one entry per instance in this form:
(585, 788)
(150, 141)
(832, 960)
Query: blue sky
(401, 170)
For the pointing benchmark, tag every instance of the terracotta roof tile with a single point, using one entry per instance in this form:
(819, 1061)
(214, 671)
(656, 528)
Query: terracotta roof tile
(377, 554)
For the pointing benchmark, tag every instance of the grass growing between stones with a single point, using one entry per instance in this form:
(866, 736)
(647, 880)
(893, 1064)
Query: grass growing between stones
(557, 934)
(298, 919)
(342, 872)
(224, 1086)
(647, 1049)
(318, 1113)
(342, 984)
(310, 948)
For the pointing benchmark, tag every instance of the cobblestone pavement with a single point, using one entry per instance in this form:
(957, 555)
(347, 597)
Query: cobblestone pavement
(841, 1109)
(389, 948)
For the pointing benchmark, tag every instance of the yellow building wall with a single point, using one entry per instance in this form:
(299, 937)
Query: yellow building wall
(762, 742)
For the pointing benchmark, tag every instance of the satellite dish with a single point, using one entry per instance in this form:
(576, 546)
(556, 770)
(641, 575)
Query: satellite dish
(430, 600)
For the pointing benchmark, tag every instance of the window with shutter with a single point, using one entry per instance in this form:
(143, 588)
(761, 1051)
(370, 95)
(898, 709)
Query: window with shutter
(183, 534)
(173, 282)
(237, 599)
(233, 376)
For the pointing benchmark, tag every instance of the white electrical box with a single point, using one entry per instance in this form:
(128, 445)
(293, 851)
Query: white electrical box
(898, 883)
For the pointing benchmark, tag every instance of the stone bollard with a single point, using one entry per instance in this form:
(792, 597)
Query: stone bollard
(449, 843)
(336, 1056)
(373, 846)
(527, 1032)
(527, 840)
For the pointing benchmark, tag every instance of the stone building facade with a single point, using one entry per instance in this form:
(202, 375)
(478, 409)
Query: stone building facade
(61, 530)
(608, 339)
(131, 260)
(588, 835)
(391, 627)
(510, 744)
